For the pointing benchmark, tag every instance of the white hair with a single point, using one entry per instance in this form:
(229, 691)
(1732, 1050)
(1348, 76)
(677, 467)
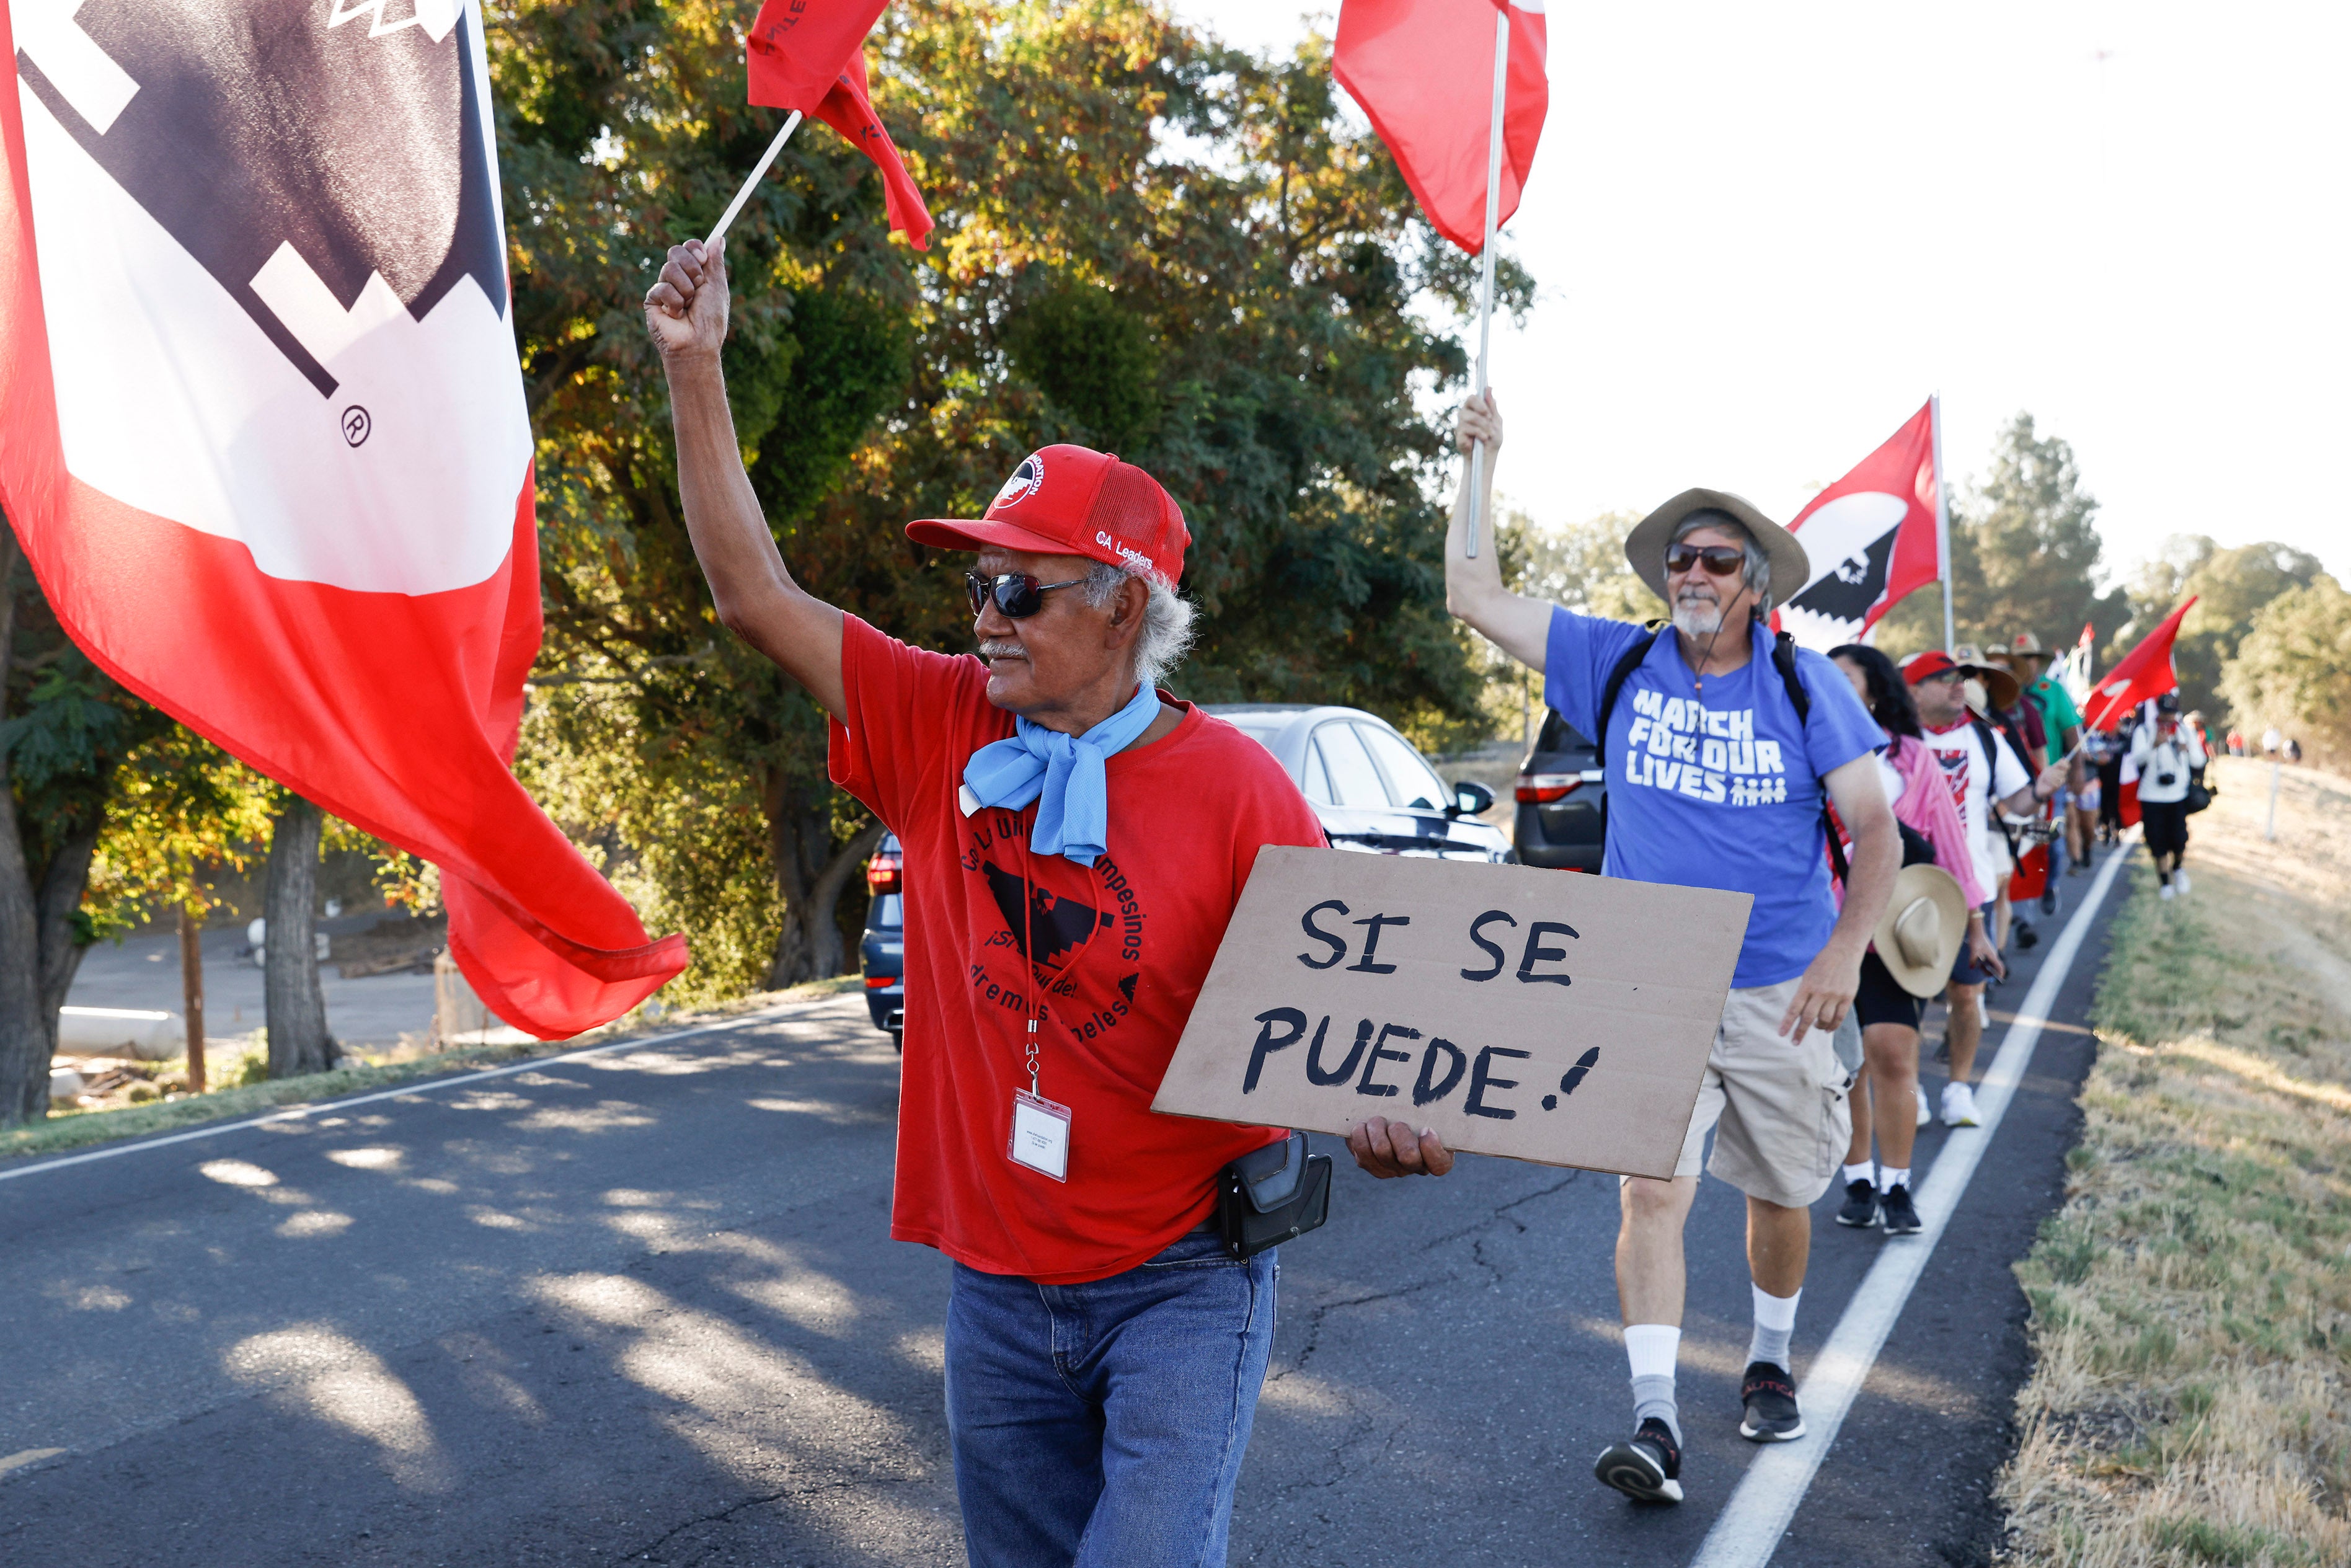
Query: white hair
(1167, 630)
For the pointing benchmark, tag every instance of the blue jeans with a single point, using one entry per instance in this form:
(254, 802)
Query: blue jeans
(1103, 1425)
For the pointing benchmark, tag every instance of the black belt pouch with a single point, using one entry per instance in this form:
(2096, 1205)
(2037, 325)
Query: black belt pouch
(1272, 1196)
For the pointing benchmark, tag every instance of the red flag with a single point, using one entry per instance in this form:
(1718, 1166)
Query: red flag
(849, 111)
(2144, 672)
(1871, 539)
(263, 437)
(798, 48)
(788, 42)
(1423, 71)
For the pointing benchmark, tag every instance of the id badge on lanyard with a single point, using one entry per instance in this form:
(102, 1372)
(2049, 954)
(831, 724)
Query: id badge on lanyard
(1041, 1135)
(1040, 1127)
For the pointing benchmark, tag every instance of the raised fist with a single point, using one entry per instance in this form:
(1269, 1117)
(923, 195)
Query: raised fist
(685, 311)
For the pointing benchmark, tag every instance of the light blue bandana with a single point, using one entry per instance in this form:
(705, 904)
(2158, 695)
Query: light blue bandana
(1062, 773)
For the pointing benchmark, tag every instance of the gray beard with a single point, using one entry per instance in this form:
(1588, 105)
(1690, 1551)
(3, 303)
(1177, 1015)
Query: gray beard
(1697, 620)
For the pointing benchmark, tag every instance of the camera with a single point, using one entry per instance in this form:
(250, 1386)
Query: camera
(2167, 780)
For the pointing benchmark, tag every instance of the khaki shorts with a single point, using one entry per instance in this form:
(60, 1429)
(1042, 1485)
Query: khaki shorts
(1779, 1112)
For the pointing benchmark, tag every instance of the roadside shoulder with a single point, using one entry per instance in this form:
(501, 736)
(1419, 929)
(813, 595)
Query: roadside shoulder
(2191, 1309)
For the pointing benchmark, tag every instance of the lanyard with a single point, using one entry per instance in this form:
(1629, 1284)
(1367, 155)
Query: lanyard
(1036, 1015)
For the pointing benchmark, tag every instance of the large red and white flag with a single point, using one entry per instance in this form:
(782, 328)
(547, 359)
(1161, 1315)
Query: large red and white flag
(2144, 673)
(1871, 538)
(1423, 71)
(262, 432)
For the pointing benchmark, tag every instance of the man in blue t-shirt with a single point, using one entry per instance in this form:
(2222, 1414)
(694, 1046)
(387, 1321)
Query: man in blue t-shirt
(1714, 780)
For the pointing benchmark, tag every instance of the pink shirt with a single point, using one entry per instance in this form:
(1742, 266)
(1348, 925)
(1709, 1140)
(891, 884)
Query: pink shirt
(1931, 812)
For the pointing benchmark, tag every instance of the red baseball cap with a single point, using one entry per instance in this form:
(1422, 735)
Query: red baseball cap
(2000, 687)
(1073, 500)
(1933, 662)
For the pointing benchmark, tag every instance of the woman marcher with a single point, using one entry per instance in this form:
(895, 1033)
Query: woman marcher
(1888, 1097)
(2168, 754)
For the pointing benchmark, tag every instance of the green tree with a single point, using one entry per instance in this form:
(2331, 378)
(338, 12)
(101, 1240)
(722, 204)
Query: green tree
(65, 727)
(2294, 670)
(1145, 242)
(183, 814)
(2230, 588)
(1580, 566)
(2026, 555)
(686, 766)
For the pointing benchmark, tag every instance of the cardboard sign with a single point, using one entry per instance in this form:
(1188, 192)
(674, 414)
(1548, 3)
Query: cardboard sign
(1536, 1014)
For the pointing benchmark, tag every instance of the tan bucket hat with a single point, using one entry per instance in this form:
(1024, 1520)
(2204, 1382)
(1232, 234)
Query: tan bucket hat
(1644, 547)
(2026, 645)
(1918, 936)
(2000, 685)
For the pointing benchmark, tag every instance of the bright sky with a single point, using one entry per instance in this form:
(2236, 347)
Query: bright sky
(1764, 233)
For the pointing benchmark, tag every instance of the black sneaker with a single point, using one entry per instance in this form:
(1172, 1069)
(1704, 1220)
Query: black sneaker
(2027, 938)
(1860, 1210)
(1647, 1467)
(1770, 1396)
(1901, 1214)
(2049, 899)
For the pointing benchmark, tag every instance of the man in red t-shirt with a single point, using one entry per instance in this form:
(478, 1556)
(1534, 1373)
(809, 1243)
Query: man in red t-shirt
(1075, 841)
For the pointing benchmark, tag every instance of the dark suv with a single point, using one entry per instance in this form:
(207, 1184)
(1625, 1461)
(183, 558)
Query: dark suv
(883, 947)
(1560, 794)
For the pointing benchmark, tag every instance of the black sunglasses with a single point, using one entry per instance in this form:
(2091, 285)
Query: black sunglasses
(1720, 561)
(1016, 593)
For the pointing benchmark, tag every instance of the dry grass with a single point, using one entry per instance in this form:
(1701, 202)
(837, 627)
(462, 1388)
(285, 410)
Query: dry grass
(2191, 1400)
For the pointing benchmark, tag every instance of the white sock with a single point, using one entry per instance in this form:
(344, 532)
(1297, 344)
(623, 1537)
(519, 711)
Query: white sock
(1775, 1323)
(1889, 1178)
(1860, 1172)
(1651, 1349)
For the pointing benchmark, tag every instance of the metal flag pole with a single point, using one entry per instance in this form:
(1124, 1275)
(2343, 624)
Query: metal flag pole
(1942, 519)
(766, 161)
(1485, 256)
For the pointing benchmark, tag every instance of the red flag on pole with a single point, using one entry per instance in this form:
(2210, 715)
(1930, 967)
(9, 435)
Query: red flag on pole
(849, 111)
(789, 41)
(263, 437)
(1871, 538)
(2144, 672)
(798, 48)
(1423, 71)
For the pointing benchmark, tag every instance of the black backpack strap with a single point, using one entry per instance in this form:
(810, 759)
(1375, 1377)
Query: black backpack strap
(1783, 659)
(1627, 664)
(1609, 691)
(1991, 740)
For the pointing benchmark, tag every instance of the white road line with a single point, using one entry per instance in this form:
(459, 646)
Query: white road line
(1751, 1523)
(420, 1086)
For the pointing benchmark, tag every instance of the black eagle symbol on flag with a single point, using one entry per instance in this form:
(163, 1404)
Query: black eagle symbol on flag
(1846, 591)
(296, 148)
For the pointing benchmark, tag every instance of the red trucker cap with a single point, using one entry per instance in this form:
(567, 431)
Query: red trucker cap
(1073, 500)
(1933, 662)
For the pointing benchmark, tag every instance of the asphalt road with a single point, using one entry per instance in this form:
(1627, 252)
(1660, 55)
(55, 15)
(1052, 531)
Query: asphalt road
(642, 1307)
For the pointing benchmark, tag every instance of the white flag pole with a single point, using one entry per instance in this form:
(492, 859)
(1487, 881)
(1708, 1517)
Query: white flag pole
(1942, 520)
(1485, 275)
(766, 161)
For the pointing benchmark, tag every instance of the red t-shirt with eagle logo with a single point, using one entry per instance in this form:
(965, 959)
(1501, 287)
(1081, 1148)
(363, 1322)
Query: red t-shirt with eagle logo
(1122, 948)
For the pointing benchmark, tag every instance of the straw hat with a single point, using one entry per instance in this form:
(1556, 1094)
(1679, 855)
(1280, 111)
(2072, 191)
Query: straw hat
(2026, 645)
(1644, 547)
(1918, 936)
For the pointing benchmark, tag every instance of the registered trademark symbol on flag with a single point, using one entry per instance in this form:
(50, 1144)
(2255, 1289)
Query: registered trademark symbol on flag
(356, 425)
